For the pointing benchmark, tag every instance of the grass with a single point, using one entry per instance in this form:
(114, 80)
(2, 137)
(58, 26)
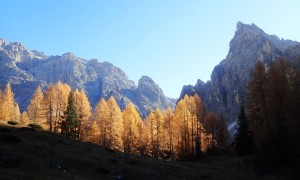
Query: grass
(27, 153)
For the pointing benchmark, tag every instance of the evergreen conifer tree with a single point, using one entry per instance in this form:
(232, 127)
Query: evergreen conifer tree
(243, 137)
(70, 124)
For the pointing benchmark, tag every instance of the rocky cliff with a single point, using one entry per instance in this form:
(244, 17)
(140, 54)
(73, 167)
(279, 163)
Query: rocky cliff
(226, 91)
(26, 70)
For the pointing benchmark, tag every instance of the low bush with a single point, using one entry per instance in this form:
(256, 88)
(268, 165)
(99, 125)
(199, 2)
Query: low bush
(12, 123)
(35, 126)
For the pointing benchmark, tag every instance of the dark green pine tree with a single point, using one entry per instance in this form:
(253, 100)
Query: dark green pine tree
(243, 138)
(70, 122)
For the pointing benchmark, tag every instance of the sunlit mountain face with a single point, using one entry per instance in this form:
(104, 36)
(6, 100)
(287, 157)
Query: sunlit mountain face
(26, 70)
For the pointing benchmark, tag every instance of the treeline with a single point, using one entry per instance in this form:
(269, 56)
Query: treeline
(272, 119)
(186, 132)
(273, 109)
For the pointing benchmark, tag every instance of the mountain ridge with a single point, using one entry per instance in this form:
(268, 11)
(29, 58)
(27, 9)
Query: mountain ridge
(225, 92)
(26, 70)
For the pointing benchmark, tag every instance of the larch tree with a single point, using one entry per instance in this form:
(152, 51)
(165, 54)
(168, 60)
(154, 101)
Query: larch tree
(83, 109)
(101, 116)
(193, 123)
(182, 118)
(62, 93)
(1, 105)
(93, 133)
(50, 99)
(36, 110)
(116, 128)
(8, 111)
(293, 113)
(148, 134)
(222, 134)
(132, 129)
(200, 114)
(154, 134)
(257, 107)
(273, 111)
(210, 124)
(24, 120)
(278, 91)
(159, 133)
(168, 125)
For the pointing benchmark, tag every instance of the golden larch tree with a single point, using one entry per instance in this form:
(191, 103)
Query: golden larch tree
(182, 118)
(200, 114)
(1, 105)
(101, 116)
(148, 134)
(36, 110)
(93, 133)
(132, 129)
(116, 128)
(62, 92)
(159, 133)
(50, 99)
(83, 109)
(8, 111)
(24, 120)
(168, 126)
(193, 123)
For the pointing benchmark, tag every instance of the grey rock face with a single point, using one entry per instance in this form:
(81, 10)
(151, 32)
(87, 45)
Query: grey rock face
(226, 91)
(26, 70)
(150, 96)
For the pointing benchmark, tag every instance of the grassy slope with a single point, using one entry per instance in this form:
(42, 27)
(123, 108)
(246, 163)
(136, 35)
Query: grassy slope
(29, 154)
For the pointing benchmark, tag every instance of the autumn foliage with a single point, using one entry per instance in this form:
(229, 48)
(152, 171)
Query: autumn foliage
(273, 111)
(186, 132)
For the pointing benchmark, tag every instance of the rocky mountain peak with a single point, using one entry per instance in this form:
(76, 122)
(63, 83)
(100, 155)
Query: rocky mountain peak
(69, 56)
(226, 91)
(26, 70)
(146, 80)
(17, 52)
(150, 96)
(246, 28)
(2, 42)
(148, 86)
(246, 32)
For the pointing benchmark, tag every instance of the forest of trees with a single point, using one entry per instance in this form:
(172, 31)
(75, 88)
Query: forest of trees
(187, 131)
(273, 103)
(268, 125)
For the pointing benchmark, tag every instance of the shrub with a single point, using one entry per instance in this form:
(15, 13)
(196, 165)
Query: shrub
(12, 123)
(35, 126)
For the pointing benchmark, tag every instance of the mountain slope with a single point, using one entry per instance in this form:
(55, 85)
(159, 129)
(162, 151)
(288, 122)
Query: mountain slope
(27, 69)
(27, 153)
(226, 91)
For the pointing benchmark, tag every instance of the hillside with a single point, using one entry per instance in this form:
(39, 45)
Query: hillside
(27, 153)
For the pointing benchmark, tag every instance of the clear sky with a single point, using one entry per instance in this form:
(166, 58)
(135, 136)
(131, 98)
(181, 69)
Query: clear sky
(175, 42)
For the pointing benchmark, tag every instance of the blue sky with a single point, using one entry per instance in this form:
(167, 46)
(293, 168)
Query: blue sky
(175, 42)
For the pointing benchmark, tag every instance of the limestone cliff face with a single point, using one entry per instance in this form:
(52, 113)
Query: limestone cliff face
(150, 96)
(27, 69)
(226, 90)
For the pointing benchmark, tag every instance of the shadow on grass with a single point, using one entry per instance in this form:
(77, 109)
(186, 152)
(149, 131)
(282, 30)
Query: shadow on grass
(7, 138)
